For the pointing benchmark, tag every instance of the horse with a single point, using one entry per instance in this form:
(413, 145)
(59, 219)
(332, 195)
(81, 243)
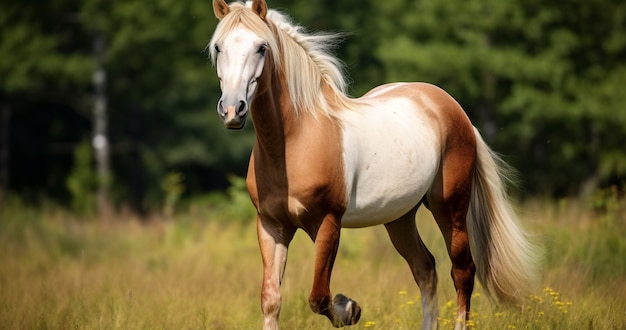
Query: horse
(323, 161)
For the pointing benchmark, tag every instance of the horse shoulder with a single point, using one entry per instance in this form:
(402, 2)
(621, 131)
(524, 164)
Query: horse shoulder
(315, 165)
(307, 183)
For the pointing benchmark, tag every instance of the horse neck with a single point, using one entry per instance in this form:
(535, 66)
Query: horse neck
(273, 116)
(276, 122)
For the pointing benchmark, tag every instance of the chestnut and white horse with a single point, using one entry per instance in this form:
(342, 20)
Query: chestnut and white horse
(323, 161)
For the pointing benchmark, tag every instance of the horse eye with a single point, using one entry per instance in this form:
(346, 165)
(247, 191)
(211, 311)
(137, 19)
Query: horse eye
(217, 49)
(262, 50)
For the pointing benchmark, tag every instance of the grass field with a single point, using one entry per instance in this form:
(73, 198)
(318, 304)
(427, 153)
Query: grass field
(202, 270)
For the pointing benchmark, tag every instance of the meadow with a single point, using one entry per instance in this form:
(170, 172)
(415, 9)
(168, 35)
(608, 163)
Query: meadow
(200, 269)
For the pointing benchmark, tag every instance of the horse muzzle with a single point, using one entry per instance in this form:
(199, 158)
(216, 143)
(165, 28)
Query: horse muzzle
(234, 117)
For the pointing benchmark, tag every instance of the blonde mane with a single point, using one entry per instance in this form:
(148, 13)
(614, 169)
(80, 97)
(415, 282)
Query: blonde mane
(306, 58)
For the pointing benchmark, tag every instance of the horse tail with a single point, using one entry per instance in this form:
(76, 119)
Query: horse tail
(506, 260)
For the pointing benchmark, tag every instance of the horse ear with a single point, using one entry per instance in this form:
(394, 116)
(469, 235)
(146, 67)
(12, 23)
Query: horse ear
(260, 8)
(220, 8)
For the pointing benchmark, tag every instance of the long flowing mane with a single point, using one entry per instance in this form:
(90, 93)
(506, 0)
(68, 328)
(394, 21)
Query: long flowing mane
(306, 59)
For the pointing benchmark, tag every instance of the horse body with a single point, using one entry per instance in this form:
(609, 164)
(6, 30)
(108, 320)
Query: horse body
(406, 154)
(408, 165)
(323, 161)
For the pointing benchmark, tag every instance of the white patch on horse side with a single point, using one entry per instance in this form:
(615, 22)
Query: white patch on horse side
(387, 173)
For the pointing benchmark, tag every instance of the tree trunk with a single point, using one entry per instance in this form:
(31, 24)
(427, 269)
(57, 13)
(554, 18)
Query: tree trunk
(100, 135)
(5, 126)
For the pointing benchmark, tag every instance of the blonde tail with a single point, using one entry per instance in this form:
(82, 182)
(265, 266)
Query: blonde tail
(505, 259)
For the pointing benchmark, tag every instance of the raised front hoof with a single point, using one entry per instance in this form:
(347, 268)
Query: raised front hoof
(347, 311)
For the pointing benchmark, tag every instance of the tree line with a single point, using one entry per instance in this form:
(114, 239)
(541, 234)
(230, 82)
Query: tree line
(115, 100)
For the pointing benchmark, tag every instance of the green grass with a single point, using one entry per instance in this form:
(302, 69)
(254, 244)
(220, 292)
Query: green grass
(202, 270)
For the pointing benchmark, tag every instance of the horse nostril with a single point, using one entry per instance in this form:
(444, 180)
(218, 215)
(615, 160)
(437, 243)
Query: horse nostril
(220, 107)
(242, 107)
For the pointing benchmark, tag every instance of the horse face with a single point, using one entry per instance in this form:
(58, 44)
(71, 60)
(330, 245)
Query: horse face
(240, 61)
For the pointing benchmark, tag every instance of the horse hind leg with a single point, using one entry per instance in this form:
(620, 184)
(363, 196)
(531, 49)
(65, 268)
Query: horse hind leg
(449, 204)
(407, 241)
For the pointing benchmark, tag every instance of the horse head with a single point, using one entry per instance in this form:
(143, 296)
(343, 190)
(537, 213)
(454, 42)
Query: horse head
(239, 52)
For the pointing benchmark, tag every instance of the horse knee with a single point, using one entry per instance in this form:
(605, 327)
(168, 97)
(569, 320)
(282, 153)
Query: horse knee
(270, 303)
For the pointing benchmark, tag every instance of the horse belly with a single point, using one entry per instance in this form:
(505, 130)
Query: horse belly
(391, 158)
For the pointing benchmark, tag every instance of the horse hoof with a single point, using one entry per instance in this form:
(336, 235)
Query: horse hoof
(347, 310)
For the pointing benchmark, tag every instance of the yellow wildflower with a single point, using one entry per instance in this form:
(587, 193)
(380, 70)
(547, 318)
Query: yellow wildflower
(369, 324)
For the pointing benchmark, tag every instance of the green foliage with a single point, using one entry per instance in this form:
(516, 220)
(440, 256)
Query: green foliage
(542, 80)
(32, 54)
(607, 203)
(232, 207)
(173, 187)
(525, 74)
(596, 245)
(241, 207)
(81, 182)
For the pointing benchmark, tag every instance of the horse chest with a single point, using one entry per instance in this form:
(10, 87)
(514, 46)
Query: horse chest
(296, 196)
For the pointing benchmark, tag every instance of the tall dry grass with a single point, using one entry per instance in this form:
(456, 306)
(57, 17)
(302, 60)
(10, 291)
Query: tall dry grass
(202, 270)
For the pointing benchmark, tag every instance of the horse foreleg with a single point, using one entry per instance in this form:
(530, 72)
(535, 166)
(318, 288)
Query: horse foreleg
(340, 310)
(273, 242)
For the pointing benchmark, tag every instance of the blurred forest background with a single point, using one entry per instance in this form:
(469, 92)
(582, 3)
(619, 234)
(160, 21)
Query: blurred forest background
(112, 103)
